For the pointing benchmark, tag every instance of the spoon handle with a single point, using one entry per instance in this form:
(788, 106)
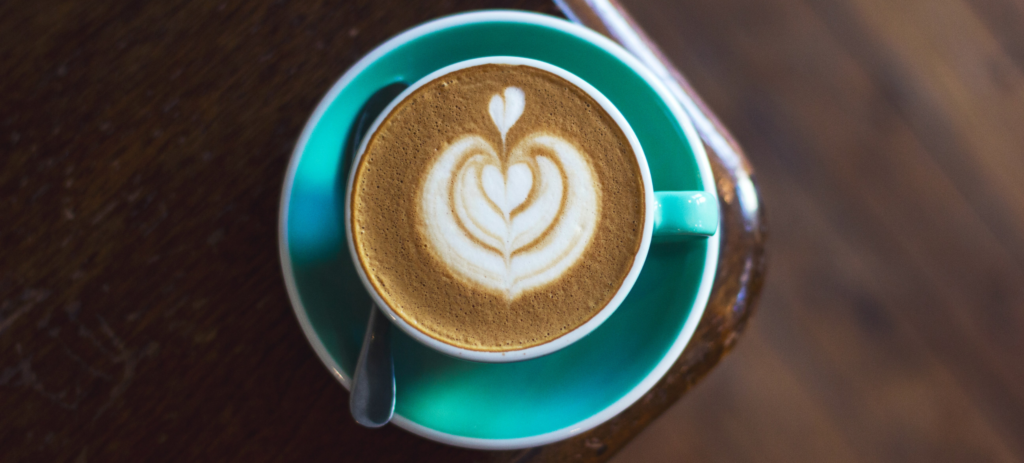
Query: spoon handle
(373, 386)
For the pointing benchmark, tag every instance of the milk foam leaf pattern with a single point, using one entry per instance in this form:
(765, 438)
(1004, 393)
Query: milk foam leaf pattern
(510, 225)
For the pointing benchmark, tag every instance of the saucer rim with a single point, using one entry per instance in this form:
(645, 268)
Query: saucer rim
(675, 108)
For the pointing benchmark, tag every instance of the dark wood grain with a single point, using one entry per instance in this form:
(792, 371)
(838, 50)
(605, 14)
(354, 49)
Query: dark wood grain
(142, 313)
(887, 140)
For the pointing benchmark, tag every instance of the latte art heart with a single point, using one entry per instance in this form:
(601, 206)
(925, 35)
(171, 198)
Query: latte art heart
(514, 223)
(498, 207)
(509, 191)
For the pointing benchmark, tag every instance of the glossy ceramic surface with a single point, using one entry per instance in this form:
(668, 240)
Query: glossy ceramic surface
(510, 405)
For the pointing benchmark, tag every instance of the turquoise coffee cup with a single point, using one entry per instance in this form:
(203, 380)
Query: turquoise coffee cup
(500, 405)
(668, 215)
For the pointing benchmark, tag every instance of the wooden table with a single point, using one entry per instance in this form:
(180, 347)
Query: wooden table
(143, 316)
(888, 137)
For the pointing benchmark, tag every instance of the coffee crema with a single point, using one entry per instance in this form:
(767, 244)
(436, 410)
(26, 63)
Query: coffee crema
(497, 208)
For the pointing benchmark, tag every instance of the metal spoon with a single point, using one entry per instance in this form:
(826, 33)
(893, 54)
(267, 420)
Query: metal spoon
(373, 386)
(372, 400)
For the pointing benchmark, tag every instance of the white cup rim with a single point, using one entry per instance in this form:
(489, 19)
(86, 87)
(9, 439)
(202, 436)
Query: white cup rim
(573, 335)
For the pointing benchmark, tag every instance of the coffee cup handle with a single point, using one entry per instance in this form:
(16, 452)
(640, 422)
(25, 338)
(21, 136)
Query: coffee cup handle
(685, 213)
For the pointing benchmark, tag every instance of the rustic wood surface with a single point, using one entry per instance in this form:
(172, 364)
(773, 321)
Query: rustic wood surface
(142, 312)
(888, 141)
(141, 315)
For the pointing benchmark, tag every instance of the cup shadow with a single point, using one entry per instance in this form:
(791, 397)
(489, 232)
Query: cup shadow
(345, 272)
(367, 114)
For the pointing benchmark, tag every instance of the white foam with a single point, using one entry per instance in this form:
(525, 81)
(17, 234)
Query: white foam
(506, 111)
(515, 225)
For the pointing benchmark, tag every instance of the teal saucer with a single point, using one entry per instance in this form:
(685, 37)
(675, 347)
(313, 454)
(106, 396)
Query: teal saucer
(508, 405)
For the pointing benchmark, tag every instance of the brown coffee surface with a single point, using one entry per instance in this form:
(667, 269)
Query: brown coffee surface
(410, 271)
